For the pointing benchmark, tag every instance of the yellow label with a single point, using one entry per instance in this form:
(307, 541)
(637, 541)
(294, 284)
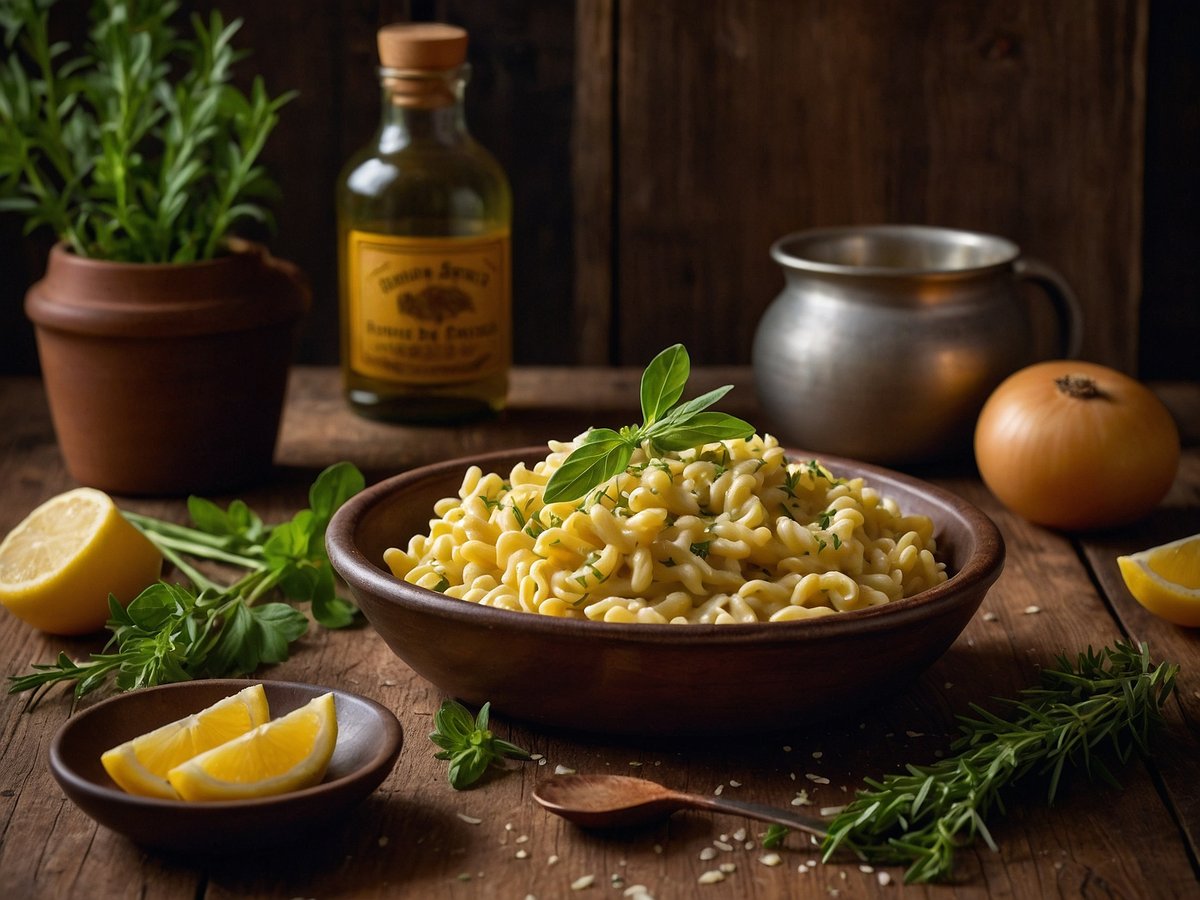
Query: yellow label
(429, 310)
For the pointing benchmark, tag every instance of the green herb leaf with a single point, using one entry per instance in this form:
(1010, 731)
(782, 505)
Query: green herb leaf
(603, 454)
(703, 428)
(663, 381)
(468, 743)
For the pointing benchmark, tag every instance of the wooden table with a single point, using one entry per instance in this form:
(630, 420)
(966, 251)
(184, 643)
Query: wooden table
(416, 837)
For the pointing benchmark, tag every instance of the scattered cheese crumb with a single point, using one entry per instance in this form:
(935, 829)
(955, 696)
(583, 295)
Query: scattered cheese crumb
(739, 835)
(817, 779)
(832, 810)
(383, 841)
(1032, 610)
(563, 770)
(883, 878)
(801, 799)
(542, 761)
(915, 734)
(552, 859)
(470, 820)
(990, 617)
(812, 863)
(634, 762)
(523, 839)
(508, 826)
(727, 868)
(583, 881)
(817, 754)
(948, 685)
(771, 859)
(711, 877)
(733, 783)
(536, 756)
(635, 889)
(722, 845)
(749, 845)
(866, 870)
(522, 854)
(720, 788)
(708, 853)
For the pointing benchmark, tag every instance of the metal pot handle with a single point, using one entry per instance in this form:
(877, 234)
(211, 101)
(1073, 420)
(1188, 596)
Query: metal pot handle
(1066, 304)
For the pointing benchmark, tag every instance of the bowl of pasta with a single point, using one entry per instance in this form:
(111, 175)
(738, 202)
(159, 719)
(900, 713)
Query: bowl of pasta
(730, 588)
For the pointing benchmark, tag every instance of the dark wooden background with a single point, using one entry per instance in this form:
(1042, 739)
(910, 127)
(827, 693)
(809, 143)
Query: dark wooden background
(657, 149)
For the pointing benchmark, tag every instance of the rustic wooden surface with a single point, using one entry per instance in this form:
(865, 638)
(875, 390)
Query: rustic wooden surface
(657, 149)
(409, 839)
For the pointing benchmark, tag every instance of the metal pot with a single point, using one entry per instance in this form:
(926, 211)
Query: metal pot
(886, 340)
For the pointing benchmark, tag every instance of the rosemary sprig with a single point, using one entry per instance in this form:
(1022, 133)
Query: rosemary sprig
(1108, 700)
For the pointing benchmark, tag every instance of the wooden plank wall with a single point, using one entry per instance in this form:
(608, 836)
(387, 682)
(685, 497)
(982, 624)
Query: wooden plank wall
(656, 150)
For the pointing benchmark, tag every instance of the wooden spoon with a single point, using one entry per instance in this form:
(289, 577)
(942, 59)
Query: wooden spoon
(611, 801)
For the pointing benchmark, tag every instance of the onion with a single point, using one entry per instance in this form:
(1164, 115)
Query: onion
(1076, 446)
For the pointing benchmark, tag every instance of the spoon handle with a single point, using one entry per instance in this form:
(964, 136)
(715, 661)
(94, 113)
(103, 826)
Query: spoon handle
(810, 824)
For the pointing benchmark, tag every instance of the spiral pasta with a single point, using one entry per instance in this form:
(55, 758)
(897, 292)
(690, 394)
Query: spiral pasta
(726, 533)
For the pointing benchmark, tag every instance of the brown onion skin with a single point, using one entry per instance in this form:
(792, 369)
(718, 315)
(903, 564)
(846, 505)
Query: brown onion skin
(1072, 462)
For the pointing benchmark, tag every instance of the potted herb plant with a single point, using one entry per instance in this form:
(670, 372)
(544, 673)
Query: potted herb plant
(164, 341)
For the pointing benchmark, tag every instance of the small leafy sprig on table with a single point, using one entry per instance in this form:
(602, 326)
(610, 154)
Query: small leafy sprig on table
(666, 426)
(468, 743)
(1109, 699)
(171, 633)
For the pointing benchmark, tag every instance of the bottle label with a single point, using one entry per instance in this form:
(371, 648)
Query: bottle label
(429, 310)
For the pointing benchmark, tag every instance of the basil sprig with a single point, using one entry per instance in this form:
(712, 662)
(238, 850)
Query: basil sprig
(605, 453)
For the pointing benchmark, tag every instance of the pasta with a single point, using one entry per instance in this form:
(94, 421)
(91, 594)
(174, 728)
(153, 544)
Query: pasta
(727, 533)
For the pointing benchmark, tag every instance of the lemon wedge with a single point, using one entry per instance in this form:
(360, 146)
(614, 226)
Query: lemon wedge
(286, 754)
(140, 766)
(58, 566)
(1166, 579)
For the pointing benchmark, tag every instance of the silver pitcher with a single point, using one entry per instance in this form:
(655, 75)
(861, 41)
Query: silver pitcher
(886, 340)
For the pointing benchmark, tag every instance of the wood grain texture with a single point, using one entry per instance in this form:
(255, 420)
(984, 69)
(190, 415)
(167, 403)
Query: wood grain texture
(410, 838)
(763, 118)
(656, 150)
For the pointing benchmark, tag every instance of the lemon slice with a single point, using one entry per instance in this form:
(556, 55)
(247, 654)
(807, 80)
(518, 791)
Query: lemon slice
(1166, 580)
(59, 565)
(287, 754)
(140, 766)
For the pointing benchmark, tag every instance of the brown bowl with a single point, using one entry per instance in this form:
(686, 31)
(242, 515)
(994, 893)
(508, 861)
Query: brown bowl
(658, 679)
(369, 739)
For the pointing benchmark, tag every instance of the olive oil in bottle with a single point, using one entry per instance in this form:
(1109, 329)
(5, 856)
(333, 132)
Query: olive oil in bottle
(424, 214)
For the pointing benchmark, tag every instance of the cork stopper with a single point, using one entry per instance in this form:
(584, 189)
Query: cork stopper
(422, 46)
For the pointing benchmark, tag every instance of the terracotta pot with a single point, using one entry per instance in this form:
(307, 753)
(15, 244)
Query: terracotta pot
(167, 378)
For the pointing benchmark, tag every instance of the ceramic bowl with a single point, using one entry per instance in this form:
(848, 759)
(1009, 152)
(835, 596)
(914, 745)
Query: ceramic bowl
(658, 679)
(369, 739)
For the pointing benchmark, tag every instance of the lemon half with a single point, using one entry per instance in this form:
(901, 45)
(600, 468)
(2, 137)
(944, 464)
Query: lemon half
(140, 766)
(1166, 580)
(58, 566)
(287, 754)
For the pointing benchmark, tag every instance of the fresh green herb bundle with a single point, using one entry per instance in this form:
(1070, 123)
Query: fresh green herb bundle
(172, 633)
(1106, 701)
(468, 743)
(135, 148)
(667, 425)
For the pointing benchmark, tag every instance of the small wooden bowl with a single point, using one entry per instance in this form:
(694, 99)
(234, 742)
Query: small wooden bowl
(369, 740)
(658, 679)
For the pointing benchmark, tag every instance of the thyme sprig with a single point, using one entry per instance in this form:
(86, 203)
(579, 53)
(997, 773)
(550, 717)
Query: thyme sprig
(1105, 704)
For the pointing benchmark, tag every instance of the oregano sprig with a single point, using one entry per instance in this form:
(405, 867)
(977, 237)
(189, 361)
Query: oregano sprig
(468, 743)
(667, 426)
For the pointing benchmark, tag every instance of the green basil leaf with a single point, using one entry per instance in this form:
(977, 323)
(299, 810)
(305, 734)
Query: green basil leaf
(328, 608)
(481, 720)
(333, 487)
(703, 428)
(685, 411)
(601, 456)
(663, 381)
